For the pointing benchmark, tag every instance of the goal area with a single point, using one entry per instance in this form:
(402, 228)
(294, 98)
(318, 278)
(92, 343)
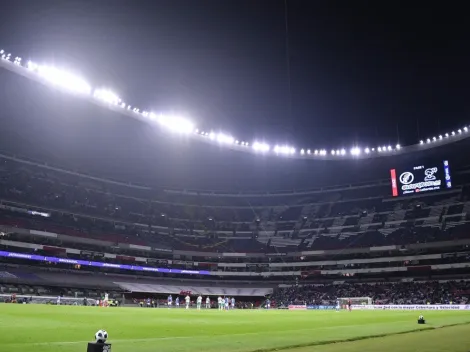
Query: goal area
(355, 300)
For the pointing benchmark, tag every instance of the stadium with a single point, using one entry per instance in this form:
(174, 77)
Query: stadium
(174, 236)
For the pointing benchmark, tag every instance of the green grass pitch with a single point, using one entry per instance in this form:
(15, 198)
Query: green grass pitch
(42, 328)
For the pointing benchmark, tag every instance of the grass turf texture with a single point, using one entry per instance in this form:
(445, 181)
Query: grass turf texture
(42, 328)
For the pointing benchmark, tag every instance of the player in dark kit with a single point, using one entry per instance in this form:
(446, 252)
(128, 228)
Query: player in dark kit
(349, 304)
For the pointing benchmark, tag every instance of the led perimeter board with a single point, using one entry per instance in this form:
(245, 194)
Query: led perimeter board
(421, 178)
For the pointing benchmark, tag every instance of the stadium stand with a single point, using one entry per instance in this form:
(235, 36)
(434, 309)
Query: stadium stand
(224, 223)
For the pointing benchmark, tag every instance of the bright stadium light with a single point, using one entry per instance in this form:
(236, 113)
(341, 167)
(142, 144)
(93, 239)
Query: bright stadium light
(367, 150)
(389, 148)
(459, 131)
(176, 124)
(465, 129)
(343, 151)
(64, 79)
(440, 137)
(261, 147)
(447, 135)
(284, 150)
(453, 133)
(309, 151)
(379, 149)
(107, 96)
(302, 152)
(428, 141)
(355, 151)
(223, 138)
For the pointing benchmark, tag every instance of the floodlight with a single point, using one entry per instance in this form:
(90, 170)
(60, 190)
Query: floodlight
(176, 124)
(223, 138)
(261, 147)
(355, 151)
(106, 96)
(64, 79)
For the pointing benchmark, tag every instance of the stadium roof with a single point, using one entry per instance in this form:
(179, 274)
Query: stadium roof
(45, 124)
(170, 123)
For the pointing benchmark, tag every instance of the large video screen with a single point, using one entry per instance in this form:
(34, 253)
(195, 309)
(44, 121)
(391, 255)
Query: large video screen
(421, 178)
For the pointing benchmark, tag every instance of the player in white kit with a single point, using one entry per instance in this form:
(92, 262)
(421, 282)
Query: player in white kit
(106, 297)
(199, 302)
(208, 302)
(58, 300)
(226, 303)
(187, 299)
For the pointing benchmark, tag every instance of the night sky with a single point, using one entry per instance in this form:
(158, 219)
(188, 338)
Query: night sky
(360, 71)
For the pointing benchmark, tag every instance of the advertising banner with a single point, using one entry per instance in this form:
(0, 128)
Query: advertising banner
(98, 264)
(321, 307)
(412, 307)
(297, 307)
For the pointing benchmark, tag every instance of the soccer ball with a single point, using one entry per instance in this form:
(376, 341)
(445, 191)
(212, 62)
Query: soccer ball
(101, 336)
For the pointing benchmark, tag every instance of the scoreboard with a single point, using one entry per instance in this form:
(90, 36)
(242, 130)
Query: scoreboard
(421, 178)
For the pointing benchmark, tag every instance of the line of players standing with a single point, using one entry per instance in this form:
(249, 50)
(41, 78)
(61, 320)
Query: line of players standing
(224, 303)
